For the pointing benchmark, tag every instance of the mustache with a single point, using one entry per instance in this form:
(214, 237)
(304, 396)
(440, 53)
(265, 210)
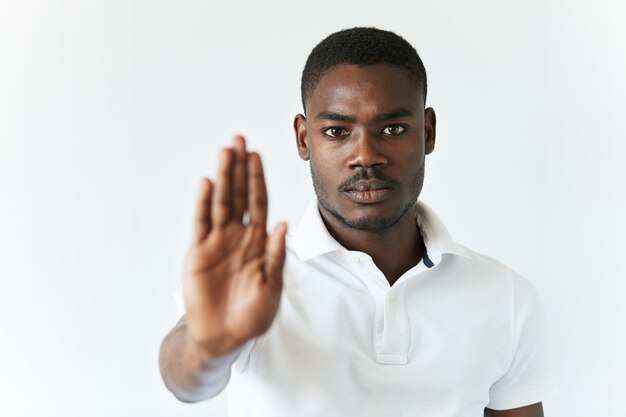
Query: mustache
(368, 174)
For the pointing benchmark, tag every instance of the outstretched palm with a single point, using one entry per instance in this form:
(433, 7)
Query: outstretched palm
(233, 272)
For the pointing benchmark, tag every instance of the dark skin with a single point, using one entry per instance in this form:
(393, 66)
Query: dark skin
(535, 410)
(232, 274)
(366, 140)
(369, 120)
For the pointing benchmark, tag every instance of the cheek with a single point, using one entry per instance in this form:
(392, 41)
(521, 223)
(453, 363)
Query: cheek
(325, 172)
(327, 161)
(408, 156)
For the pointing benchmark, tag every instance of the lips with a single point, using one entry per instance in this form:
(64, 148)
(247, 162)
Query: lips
(368, 185)
(368, 191)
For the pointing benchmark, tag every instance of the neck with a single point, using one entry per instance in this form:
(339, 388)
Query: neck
(394, 250)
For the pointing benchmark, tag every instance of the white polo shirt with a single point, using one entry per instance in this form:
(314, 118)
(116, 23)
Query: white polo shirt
(455, 334)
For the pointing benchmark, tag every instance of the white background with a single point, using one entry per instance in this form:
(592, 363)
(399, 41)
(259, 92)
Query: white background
(111, 111)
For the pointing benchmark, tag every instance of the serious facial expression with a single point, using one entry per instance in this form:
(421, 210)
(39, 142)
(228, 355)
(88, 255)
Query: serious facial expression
(366, 135)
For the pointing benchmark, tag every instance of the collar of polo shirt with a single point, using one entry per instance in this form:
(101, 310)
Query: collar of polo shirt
(311, 238)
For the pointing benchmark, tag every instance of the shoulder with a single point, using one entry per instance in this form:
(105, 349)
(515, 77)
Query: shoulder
(481, 272)
(493, 267)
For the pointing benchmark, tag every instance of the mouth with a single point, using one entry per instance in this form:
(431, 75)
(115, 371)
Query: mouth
(368, 192)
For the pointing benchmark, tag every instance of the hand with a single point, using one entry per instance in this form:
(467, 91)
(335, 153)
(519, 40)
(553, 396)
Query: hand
(233, 271)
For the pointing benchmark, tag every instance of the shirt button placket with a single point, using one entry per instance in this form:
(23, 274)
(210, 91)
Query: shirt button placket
(395, 341)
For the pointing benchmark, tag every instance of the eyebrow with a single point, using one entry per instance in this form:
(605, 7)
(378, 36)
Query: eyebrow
(338, 117)
(395, 114)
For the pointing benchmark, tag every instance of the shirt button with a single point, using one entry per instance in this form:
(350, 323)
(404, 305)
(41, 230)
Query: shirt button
(391, 299)
(355, 259)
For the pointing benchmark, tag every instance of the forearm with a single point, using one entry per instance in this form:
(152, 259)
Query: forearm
(186, 373)
(534, 410)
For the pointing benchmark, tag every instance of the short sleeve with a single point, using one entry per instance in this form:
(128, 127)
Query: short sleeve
(530, 376)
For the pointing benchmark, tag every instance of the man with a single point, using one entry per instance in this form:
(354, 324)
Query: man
(369, 308)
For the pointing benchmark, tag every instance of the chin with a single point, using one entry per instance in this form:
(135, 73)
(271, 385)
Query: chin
(373, 222)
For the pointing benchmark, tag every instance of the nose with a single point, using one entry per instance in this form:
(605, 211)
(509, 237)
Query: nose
(367, 152)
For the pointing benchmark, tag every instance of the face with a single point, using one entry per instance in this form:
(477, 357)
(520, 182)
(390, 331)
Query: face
(366, 135)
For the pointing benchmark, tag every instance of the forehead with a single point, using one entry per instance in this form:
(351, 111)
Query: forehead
(352, 88)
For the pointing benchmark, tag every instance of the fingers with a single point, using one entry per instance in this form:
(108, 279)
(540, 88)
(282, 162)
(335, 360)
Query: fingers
(257, 194)
(221, 199)
(202, 225)
(240, 179)
(275, 255)
(240, 187)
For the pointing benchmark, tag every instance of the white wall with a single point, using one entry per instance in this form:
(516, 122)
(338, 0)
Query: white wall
(111, 111)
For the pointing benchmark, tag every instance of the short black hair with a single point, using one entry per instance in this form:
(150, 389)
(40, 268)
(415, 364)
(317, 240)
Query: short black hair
(361, 46)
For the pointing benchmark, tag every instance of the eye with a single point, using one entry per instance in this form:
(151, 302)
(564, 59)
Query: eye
(393, 130)
(335, 132)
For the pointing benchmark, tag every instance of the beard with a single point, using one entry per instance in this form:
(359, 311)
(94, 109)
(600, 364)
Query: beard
(370, 223)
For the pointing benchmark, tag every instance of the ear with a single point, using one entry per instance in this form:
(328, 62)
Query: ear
(430, 130)
(302, 140)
